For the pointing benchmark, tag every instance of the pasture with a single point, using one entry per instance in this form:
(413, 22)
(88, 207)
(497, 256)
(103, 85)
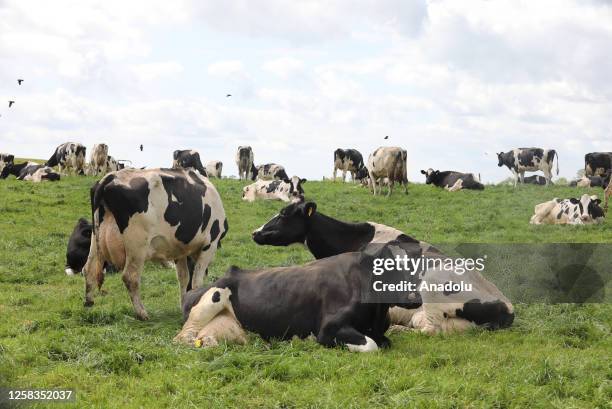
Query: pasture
(553, 356)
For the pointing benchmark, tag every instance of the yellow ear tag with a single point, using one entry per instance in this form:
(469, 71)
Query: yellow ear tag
(310, 212)
(198, 343)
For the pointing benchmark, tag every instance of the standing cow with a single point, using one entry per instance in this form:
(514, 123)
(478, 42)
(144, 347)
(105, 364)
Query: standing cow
(214, 169)
(523, 160)
(347, 160)
(69, 156)
(98, 161)
(6, 159)
(188, 159)
(597, 163)
(452, 181)
(390, 163)
(156, 214)
(269, 171)
(244, 161)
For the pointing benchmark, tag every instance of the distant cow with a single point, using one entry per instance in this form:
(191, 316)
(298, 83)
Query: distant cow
(214, 169)
(269, 171)
(597, 163)
(523, 160)
(15, 169)
(6, 159)
(387, 162)
(593, 181)
(37, 173)
(78, 247)
(155, 214)
(69, 156)
(452, 181)
(287, 190)
(113, 164)
(98, 162)
(188, 159)
(535, 180)
(347, 160)
(244, 161)
(585, 210)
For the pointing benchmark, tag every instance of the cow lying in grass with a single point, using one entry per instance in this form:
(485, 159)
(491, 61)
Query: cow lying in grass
(585, 210)
(451, 181)
(287, 190)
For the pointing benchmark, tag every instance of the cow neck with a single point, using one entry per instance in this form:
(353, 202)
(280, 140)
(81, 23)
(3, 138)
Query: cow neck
(326, 237)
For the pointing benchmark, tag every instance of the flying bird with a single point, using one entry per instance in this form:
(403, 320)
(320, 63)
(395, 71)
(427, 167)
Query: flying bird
(386, 137)
(228, 95)
(19, 81)
(141, 147)
(11, 103)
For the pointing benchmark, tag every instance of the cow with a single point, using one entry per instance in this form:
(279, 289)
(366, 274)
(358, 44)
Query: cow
(347, 160)
(78, 247)
(69, 156)
(523, 160)
(98, 161)
(188, 159)
(6, 159)
(214, 168)
(113, 164)
(15, 169)
(387, 162)
(597, 163)
(244, 161)
(269, 171)
(37, 173)
(287, 190)
(585, 210)
(535, 180)
(326, 237)
(153, 214)
(452, 181)
(592, 181)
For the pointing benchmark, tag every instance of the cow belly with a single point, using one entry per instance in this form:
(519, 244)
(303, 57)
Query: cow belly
(110, 243)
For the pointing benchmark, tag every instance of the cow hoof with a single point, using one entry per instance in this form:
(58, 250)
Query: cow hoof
(142, 316)
(88, 303)
(384, 343)
(206, 342)
(103, 292)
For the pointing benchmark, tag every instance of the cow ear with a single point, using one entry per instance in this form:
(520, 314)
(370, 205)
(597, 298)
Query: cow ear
(303, 180)
(597, 201)
(286, 180)
(309, 209)
(423, 172)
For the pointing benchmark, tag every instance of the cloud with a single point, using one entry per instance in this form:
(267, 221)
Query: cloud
(228, 69)
(284, 67)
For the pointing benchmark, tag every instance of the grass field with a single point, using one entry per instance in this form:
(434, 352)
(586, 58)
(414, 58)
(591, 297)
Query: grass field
(553, 356)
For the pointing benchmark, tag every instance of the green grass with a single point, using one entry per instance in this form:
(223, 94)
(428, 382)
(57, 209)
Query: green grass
(554, 356)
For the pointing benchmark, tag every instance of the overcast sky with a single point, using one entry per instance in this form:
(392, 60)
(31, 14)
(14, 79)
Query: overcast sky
(452, 82)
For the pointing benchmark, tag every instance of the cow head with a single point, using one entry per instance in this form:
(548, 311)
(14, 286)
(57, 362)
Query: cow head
(296, 192)
(6, 171)
(500, 159)
(288, 227)
(430, 175)
(254, 172)
(362, 173)
(591, 209)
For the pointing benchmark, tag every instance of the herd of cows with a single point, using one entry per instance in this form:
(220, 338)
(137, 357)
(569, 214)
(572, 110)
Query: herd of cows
(176, 217)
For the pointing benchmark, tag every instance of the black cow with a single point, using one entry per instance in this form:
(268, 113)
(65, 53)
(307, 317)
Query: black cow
(69, 156)
(452, 181)
(78, 247)
(6, 159)
(187, 159)
(535, 180)
(523, 160)
(597, 163)
(348, 160)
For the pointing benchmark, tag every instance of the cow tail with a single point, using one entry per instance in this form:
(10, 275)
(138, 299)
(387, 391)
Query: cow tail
(557, 155)
(96, 195)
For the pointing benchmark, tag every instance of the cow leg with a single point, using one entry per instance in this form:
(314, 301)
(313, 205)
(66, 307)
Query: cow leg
(391, 183)
(131, 279)
(522, 176)
(547, 175)
(335, 172)
(343, 175)
(201, 266)
(213, 302)
(94, 274)
(182, 274)
(346, 335)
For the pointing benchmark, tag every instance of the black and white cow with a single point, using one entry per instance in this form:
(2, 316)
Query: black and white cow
(326, 237)
(597, 163)
(154, 214)
(269, 171)
(585, 210)
(37, 173)
(452, 181)
(98, 161)
(244, 161)
(523, 160)
(113, 164)
(390, 163)
(287, 190)
(188, 159)
(592, 181)
(78, 247)
(15, 169)
(347, 160)
(6, 159)
(69, 156)
(535, 180)
(214, 169)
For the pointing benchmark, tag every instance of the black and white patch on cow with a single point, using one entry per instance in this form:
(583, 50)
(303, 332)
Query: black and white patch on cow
(188, 159)
(6, 159)
(244, 162)
(597, 163)
(347, 160)
(390, 163)
(585, 210)
(98, 161)
(269, 171)
(523, 160)
(155, 214)
(69, 157)
(214, 169)
(287, 190)
(452, 181)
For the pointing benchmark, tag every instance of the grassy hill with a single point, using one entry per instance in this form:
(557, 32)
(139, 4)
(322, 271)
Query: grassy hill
(553, 356)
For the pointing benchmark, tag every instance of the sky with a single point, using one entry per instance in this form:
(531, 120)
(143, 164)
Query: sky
(452, 82)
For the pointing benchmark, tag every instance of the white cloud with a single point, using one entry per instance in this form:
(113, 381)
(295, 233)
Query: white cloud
(284, 67)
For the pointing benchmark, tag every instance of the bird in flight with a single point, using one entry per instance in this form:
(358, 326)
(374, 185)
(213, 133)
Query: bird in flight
(19, 81)
(141, 147)
(386, 137)
(228, 95)
(11, 103)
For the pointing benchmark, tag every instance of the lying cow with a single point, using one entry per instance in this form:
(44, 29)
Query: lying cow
(592, 181)
(98, 162)
(390, 163)
(287, 190)
(244, 161)
(15, 169)
(326, 237)
(597, 163)
(535, 180)
(585, 210)
(451, 181)
(37, 173)
(155, 214)
(269, 171)
(523, 160)
(69, 157)
(347, 160)
(188, 159)
(214, 168)
(6, 159)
